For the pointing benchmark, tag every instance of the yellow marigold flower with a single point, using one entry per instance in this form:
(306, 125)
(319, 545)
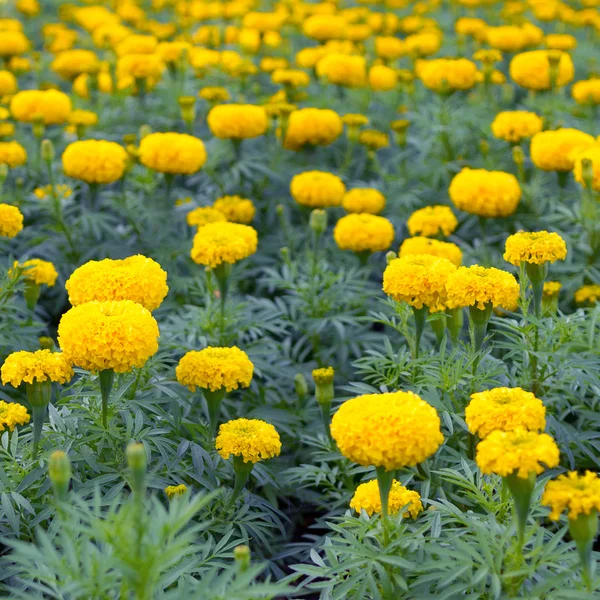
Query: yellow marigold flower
(172, 52)
(488, 56)
(363, 200)
(373, 139)
(560, 41)
(518, 451)
(52, 106)
(423, 44)
(470, 26)
(13, 43)
(325, 27)
(343, 69)
(424, 245)
(250, 439)
(557, 150)
(61, 190)
(579, 494)
(392, 430)
(218, 243)
(390, 48)
(587, 294)
(175, 153)
(6, 130)
(11, 221)
(367, 498)
(174, 491)
(203, 215)
(431, 221)
(40, 272)
(504, 409)
(270, 64)
(137, 44)
(39, 366)
(363, 232)
(117, 335)
(236, 209)
(516, 125)
(507, 38)
(8, 83)
(312, 126)
(136, 278)
(419, 280)
(215, 369)
(94, 161)
(70, 63)
(382, 78)
(532, 70)
(317, 189)
(448, 74)
(551, 289)
(485, 193)
(12, 414)
(592, 154)
(478, 286)
(586, 91)
(12, 154)
(237, 121)
(290, 77)
(355, 120)
(104, 82)
(83, 117)
(135, 67)
(214, 94)
(29, 8)
(536, 248)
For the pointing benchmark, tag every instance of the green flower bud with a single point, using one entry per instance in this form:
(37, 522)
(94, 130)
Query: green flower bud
(59, 471)
(300, 386)
(318, 221)
(47, 150)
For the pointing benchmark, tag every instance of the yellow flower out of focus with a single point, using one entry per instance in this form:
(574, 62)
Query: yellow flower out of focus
(8, 83)
(389, 48)
(39, 366)
(251, 440)
(393, 430)
(343, 69)
(367, 498)
(236, 209)
(485, 193)
(214, 94)
(382, 78)
(532, 70)
(514, 126)
(71, 63)
(518, 451)
(117, 335)
(13, 43)
(560, 41)
(373, 139)
(174, 153)
(579, 494)
(11, 221)
(317, 189)
(174, 491)
(363, 232)
(419, 280)
(325, 27)
(12, 414)
(557, 150)
(592, 154)
(504, 409)
(83, 117)
(203, 215)
(135, 68)
(51, 106)
(478, 286)
(290, 77)
(423, 44)
(507, 38)
(40, 272)
(82, 84)
(312, 126)
(12, 154)
(587, 294)
(535, 248)
(136, 278)
(61, 190)
(94, 161)
(424, 245)
(551, 289)
(215, 368)
(448, 74)
(586, 91)
(237, 121)
(432, 221)
(218, 243)
(363, 200)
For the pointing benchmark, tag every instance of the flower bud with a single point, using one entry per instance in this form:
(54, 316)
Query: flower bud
(390, 256)
(46, 343)
(323, 379)
(280, 210)
(188, 108)
(59, 471)
(300, 386)
(144, 131)
(587, 172)
(137, 461)
(518, 155)
(242, 557)
(47, 150)
(318, 221)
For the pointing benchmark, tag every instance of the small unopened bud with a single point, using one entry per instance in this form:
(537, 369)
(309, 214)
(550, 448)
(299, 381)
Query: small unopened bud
(285, 253)
(136, 461)
(144, 131)
(242, 557)
(46, 343)
(518, 155)
(300, 386)
(280, 210)
(587, 172)
(188, 108)
(318, 221)
(47, 150)
(38, 125)
(390, 256)
(323, 379)
(59, 471)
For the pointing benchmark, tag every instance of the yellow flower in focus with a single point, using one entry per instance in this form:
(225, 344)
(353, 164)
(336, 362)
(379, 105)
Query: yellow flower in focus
(479, 286)
(251, 440)
(325, 27)
(12, 414)
(13, 43)
(586, 91)
(343, 69)
(425, 245)
(504, 409)
(363, 232)
(94, 161)
(218, 243)
(532, 70)
(71, 63)
(175, 153)
(136, 278)
(367, 498)
(514, 126)
(448, 74)
(12, 154)
(432, 221)
(382, 78)
(39, 366)
(52, 106)
(236, 209)
(317, 189)
(485, 193)
(536, 248)
(215, 369)
(203, 215)
(174, 491)
(587, 294)
(40, 272)
(312, 126)
(592, 154)
(579, 494)
(560, 41)
(518, 451)
(237, 121)
(11, 221)
(8, 83)
(363, 200)
(557, 150)
(117, 335)
(392, 430)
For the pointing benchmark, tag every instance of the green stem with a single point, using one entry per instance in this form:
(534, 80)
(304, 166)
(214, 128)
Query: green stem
(222, 273)
(242, 474)
(107, 378)
(38, 414)
(521, 490)
(326, 418)
(213, 405)
(583, 530)
(420, 315)
(39, 395)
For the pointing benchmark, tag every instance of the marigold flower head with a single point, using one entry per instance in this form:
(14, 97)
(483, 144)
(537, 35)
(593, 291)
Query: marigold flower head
(507, 38)
(551, 289)
(557, 150)
(70, 63)
(532, 70)
(488, 56)
(40, 272)
(382, 78)
(485, 193)
(132, 68)
(117, 335)
(504, 409)
(270, 64)
(94, 161)
(172, 52)
(8, 83)
(82, 84)
(579, 494)
(363, 232)
(586, 91)
(317, 189)
(174, 491)
(12, 154)
(470, 26)
(363, 200)
(367, 498)
(13, 43)
(51, 106)
(447, 74)
(518, 451)
(560, 41)
(424, 245)
(40, 366)
(325, 27)
(136, 278)
(236, 209)
(432, 221)
(343, 69)
(83, 117)
(214, 94)
(424, 44)
(174, 153)
(537, 248)
(223, 242)
(11, 221)
(593, 155)
(312, 126)
(392, 430)
(355, 120)
(137, 44)
(203, 215)
(237, 121)
(587, 294)
(390, 47)
(323, 376)
(290, 77)
(250, 439)
(373, 139)
(12, 414)
(516, 125)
